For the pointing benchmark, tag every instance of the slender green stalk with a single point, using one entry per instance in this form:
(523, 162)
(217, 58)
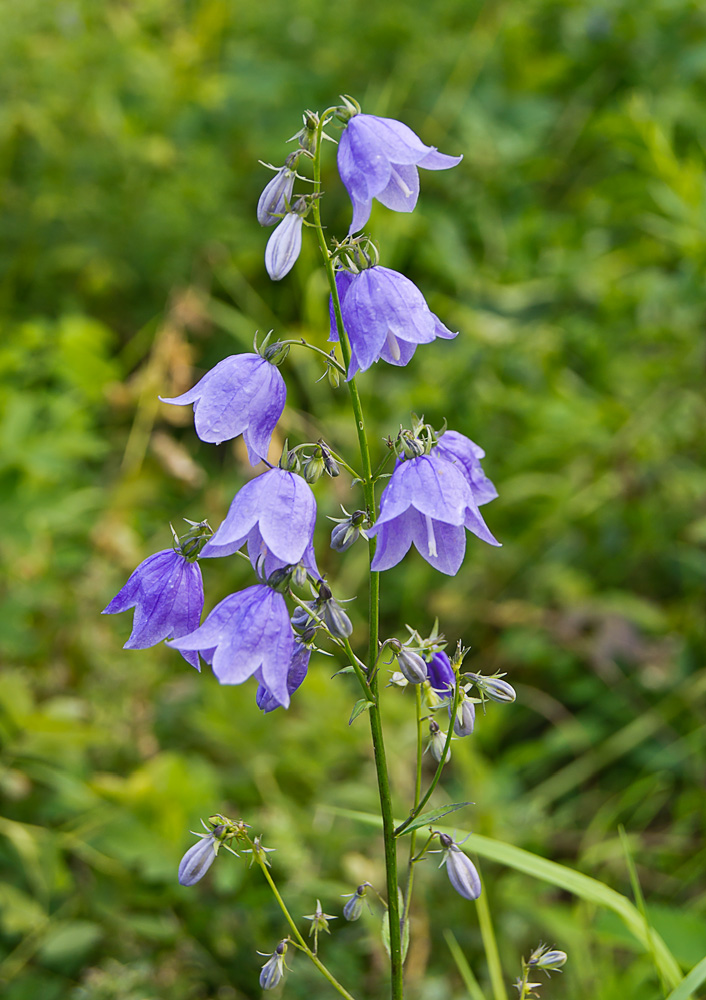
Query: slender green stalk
(490, 945)
(435, 780)
(299, 940)
(417, 796)
(396, 984)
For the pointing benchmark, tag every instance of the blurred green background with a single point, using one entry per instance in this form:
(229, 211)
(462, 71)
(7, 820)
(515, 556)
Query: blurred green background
(568, 248)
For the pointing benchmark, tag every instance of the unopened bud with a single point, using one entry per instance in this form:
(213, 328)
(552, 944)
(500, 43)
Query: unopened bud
(314, 466)
(334, 376)
(465, 716)
(276, 197)
(284, 246)
(273, 969)
(330, 463)
(549, 959)
(412, 666)
(354, 907)
(276, 353)
(336, 620)
(437, 742)
(347, 531)
(494, 688)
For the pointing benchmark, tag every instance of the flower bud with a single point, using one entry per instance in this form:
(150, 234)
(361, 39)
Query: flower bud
(465, 716)
(319, 919)
(354, 907)
(330, 463)
(412, 666)
(189, 544)
(314, 466)
(336, 620)
(549, 959)
(273, 969)
(198, 859)
(460, 869)
(334, 376)
(348, 530)
(276, 197)
(283, 246)
(437, 742)
(494, 688)
(301, 617)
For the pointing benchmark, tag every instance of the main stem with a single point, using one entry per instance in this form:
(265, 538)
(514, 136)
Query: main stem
(388, 824)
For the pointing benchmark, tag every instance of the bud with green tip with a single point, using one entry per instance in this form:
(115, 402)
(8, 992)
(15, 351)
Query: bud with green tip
(273, 969)
(494, 688)
(354, 907)
(548, 959)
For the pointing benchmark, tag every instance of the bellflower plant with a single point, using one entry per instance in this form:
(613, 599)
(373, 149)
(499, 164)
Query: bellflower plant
(272, 630)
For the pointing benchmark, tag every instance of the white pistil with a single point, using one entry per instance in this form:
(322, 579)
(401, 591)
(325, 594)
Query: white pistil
(404, 188)
(393, 345)
(431, 541)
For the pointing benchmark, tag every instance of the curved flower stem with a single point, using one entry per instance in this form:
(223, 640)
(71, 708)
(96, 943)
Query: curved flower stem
(343, 643)
(298, 939)
(435, 780)
(368, 483)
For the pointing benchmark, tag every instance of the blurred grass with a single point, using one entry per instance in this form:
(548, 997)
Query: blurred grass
(568, 249)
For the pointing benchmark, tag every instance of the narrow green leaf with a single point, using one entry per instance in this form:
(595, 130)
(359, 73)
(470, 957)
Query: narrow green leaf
(691, 982)
(429, 818)
(362, 705)
(464, 969)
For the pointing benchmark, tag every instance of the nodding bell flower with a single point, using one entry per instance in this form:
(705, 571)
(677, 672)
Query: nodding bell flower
(354, 907)
(273, 969)
(465, 715)
(460, 869)
(441, 673)
(285, 244)
(437, 742)
(276, 197)
(378, 158)
(295, 678)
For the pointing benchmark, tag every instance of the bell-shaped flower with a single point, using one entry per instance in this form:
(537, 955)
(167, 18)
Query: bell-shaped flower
(385, 316)
(247, 634)
(455, 447)
(460, 869)
(276, 197)
(429, 503)
(275, 513)
(378, 158)
(243, 394)
(295, 677)
(284, 246)
(166, 591)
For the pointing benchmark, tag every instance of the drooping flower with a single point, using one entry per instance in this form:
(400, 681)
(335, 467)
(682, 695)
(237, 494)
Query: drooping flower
(385, 316)
(243, 394)
(276, 196)
(455, 447)
(275, 513)
(284, 246)
(441, 673)
(378, 158)
(295, 677)
(247, 634)
(460, 869)
(429, 503)
(166, 591)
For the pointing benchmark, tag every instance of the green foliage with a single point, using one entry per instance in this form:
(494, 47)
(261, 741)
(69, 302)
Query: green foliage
(568, 249)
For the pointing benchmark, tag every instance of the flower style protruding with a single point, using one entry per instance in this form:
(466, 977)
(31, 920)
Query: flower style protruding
(247, 634)
(385, 316)
(166, 591)
(243, 394)
(275, 513)
(429, 503)
(378, 158)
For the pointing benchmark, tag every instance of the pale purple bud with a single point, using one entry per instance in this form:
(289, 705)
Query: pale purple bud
(412, 666)
(465, 716)
(354, 907)
(283, 246)
(273, 969)
(199, 858)
(549, 959)
(336, 620)
(437, 742)
(461, 870)
(276, 197)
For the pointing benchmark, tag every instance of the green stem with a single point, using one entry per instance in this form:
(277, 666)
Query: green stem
(417, 796)
(299, 940)
(388, 823)
(435, 780)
